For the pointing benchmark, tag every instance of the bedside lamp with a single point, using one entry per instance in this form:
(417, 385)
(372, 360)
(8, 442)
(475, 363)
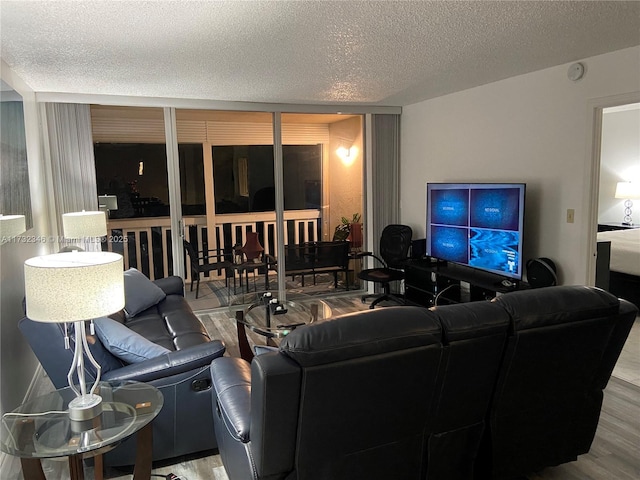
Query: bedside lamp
(628, 191)
(76, 287)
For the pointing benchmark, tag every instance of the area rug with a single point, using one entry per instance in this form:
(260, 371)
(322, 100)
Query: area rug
(225, 296)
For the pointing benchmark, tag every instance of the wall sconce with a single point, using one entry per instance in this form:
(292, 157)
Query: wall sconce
(347, 155)
(628, 191)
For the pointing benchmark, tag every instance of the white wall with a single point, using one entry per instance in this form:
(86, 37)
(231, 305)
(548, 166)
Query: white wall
(534, 128)
(619, 161)
(345, 181)
(17, 362)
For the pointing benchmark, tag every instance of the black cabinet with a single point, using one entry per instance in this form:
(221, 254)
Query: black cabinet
(429, 283)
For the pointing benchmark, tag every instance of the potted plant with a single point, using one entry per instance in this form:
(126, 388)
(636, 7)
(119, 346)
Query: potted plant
(355, 231)
(350, 230)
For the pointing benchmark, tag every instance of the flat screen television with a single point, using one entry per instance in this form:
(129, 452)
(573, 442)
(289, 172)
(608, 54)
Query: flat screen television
(477, 224)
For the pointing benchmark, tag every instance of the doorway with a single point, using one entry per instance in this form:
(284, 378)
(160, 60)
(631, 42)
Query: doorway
(615, 158)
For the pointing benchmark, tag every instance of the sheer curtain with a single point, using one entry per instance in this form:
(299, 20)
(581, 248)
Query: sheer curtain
(70, 142)
(385, 175)
(14, 172)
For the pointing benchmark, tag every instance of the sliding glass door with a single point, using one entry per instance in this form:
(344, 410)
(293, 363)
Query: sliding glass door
(227, 180)
(131, 165)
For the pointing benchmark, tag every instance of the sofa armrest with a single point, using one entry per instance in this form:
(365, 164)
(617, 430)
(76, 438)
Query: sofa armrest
(231, 379)
(171, 285)
(169, 364)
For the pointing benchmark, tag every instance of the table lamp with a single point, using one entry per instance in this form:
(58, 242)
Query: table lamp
(11, 226)
(76, 287)
(106, 203)
(85, 228)
(82, 225)
(252, 247)
(628, 191)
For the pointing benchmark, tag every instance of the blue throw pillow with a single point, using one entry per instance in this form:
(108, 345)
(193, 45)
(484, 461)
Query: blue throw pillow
(140, 293)
(124, 343)
(105, 359)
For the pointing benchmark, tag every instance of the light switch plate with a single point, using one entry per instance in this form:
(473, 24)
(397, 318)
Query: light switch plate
(570, 215)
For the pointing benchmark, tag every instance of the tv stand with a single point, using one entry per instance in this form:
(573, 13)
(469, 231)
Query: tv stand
(430, 283)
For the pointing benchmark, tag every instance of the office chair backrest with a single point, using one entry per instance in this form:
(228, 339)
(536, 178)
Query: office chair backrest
(394, 244)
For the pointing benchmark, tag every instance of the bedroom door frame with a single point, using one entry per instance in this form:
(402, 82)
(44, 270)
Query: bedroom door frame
(596, 107)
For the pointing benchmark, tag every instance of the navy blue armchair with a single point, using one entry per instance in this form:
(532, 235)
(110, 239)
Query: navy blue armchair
(182, 374)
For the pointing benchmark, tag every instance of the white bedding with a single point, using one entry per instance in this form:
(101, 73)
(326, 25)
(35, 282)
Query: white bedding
(625, 250)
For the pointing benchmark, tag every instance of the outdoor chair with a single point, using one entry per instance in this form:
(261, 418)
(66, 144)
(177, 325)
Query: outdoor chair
(214, 260)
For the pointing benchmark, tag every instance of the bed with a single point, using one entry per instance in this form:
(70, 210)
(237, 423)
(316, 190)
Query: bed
(624, 264)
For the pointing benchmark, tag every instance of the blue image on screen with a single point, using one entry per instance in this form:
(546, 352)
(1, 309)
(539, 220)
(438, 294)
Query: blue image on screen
(495, 208)
(450, 207)
(495, 250)
(450, 243)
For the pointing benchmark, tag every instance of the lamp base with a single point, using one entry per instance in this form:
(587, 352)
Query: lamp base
(85, 407)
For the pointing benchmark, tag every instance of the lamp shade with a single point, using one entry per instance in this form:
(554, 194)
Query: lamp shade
(84, 224)
(72, 286)
(12, 225)
(109, 201)
(628, 190)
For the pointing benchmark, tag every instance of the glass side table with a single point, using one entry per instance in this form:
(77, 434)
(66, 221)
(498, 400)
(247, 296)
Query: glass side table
(41, 428)
(264, 318)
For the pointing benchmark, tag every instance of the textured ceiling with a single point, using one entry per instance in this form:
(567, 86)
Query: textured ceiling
(310, 52)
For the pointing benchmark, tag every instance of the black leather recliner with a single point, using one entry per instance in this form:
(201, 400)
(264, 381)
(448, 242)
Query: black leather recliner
(474, 336)
(334, 402)
(185, 423)
(358, 397)
(564, 344)
(478, 390)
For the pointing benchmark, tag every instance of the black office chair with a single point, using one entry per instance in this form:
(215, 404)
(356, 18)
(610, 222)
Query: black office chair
(214, 260)
(394, 250)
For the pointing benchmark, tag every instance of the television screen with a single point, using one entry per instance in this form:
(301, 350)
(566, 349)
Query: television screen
(477, 224)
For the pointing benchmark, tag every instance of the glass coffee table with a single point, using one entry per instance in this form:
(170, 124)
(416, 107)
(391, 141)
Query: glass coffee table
(272, 319)
(41, 428)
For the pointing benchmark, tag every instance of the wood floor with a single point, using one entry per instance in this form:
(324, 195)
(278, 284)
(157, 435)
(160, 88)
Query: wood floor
(615, 452)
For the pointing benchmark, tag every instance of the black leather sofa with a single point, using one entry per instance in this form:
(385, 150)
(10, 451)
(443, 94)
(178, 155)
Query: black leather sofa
(478, 390)
(185, 424)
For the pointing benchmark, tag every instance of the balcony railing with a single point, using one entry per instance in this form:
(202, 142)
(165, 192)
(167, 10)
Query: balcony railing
(145, 243)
